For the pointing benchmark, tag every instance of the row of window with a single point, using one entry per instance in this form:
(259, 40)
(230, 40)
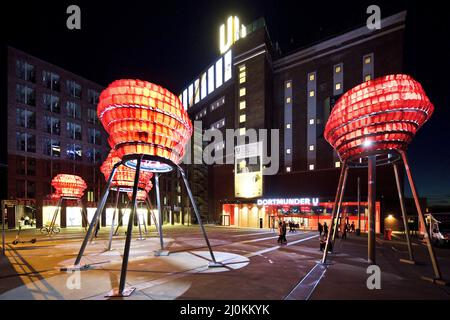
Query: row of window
(27, 119)
(215, 76)
(242, 102)
(52, 147)
(216, 104)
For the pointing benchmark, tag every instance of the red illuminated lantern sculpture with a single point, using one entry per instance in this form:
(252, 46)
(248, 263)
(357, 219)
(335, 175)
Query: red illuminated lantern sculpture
(142, 193)
(69, 186)
(143, 118)
(372, 124)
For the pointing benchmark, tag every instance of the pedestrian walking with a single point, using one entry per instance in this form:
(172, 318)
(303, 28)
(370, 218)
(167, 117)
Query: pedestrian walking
(280, 232)
(283, 230)
(352, 227)
(325, 229)
(344, 232)
(320, 229)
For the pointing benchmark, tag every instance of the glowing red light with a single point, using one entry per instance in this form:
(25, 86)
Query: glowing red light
(144, 118)
(141, 194)
(68, 186)
(378, 116)
(124, 176)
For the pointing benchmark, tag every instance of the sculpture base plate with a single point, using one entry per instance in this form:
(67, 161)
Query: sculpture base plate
(115, 292)
(161, 253)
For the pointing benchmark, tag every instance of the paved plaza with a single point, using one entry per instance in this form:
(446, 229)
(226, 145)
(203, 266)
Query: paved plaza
(254, 267)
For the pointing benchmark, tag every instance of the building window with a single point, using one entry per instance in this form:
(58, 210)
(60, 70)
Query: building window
(311, 167)
(51, 80)
(92, 116)
(288, 100)
(242, 68)
(25, 142)
(94, 136)
(288, 84)
(216, 104)
(52, 125)
(312, 77)
(367, 59)
(218, 124)
(312, 93)
(288, 151)
(242, 92)
(25, 71)
(201, 114)
(337, 164)
(242, 118)
(74, 152)
(73, 131)
(367, 77)
(242, 105)
(93, 155)
(219, 73)
(51, 103)
(242, 75)
(311, 147)
(73, 89)
(288, 126)
(288, 169)
(338, 86)
(203, 90)
(241, 131)
(211, 79)
(25, 118)
(228, 65)
(337, 69)
(93, 96)
(52, 147)
(197, 91)
(73, 109)
(25, 95)
(311, 121)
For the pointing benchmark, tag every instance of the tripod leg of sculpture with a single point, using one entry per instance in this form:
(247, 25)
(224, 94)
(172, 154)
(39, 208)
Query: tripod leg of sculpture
(139, 224)
(97, 213)
(437, 271)
(113, 219)
(55, 215)
(371, 193)
(339, 213)
(199, 219)
(149, 205)
(144, 222)
(119, 223)
(402, 207)
(158, 204)
(83, 214)
(126, 251)
(333, 213)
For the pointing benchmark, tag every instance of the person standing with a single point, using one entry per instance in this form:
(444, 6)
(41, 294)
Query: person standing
(284, 229)
(325, 229)
(280, 232)
(320, 229)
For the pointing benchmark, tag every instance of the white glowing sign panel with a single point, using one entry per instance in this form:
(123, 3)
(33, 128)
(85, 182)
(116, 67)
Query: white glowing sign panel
(211, 79)
(230, 33)
(203, 91)
(228, 66)
(219, 72)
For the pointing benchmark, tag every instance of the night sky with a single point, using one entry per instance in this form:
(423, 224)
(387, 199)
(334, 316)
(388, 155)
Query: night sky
(170, 42)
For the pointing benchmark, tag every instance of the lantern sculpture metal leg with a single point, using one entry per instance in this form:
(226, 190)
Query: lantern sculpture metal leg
(437, 271)
(214, 263)
(95, 218)
(149, 206)
(51, 227)
(111, 232)
(126, 251)
(371, 192)
(333, 213)
(84, 218)
(120, 222)
(339, 213)
(405, 218)
(139, 224)
(160, 252)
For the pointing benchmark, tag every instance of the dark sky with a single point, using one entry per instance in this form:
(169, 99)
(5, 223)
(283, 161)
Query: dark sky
(170, 42)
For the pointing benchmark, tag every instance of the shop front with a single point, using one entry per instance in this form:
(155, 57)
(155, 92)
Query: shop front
(304, 212)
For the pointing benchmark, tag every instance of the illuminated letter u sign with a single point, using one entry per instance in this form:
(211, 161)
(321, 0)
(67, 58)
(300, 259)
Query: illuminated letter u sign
(232, 33)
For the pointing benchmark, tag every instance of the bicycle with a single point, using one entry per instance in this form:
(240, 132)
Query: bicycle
(49, 229)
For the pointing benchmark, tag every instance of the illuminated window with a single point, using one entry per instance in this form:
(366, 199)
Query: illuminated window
(228, 66)
(242, 105)
(311, 121)
(288, 84)
(203, 91)
(312, 77)
(367, 59)
(191, 95)
(337, 164)
(242, 92)
(242, 80)
(311, 167)
(288, 151)
(197, 91)
(338, 86)
(311, 147)
(288, 100)
(242, 118)
(288, 126)
(241, 67)
(216, 104)
(337, 69)
(367, 77)
(219, 73)
(311, 93)
(288, 169)
(185, 99)
(210, 79)
(241, 131)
